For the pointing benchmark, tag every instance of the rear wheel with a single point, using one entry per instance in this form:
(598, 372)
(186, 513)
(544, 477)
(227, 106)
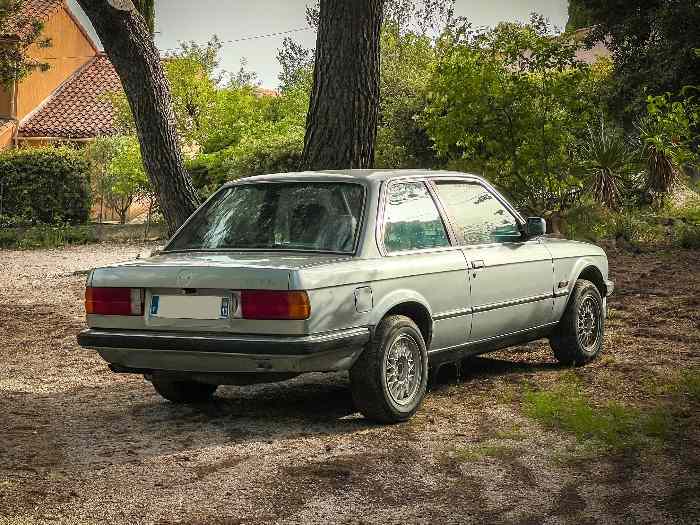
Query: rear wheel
(389, 379)
(183, 391)
(578, 338)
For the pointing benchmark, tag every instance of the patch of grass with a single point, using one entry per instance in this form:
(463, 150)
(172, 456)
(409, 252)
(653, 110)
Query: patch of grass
(687, 236)
(612, 425)
(506, 395)
(513, 433)
(477, 452)
(689, 385)
(580, 452)
(685, 384)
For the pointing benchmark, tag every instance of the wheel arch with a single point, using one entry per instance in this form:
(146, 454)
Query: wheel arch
(412, 305)
(592, 273)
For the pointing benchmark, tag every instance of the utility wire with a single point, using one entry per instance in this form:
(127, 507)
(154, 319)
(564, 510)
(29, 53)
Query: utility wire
(222, 42)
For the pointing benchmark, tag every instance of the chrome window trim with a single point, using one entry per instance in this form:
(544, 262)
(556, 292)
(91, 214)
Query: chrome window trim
(381, 223)
(451, 314)
(512, 302)
(492, 306)
(436, 180)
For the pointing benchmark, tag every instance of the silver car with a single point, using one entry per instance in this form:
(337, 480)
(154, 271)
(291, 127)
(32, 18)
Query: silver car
(385, 274)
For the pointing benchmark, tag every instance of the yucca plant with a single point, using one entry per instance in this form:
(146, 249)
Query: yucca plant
(662, 171)
(667, 140)
(608, 164)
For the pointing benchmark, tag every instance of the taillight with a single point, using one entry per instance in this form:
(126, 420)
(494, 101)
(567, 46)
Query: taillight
(114, 301)
(264, 304)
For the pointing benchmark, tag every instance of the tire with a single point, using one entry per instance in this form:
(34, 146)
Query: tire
(183, 391)
(369, 379)
(573, 346)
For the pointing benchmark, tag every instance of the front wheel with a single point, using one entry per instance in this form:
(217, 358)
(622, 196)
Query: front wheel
(389, 379)
(578, 338)
(183, 391)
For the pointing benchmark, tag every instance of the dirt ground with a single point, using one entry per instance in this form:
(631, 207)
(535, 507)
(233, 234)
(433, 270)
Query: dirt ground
(79, 444)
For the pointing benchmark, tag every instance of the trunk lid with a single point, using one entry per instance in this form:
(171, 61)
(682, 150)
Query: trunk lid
(183, 290)
(225, 270)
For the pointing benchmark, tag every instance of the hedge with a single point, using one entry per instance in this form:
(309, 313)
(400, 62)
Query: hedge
(43, 186)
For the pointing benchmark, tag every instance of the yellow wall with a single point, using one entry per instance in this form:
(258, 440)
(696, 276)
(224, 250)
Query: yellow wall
(6, 136)
(68, 41)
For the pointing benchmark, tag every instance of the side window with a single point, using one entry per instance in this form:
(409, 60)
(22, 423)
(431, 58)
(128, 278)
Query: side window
(411, 219)
(479, 216)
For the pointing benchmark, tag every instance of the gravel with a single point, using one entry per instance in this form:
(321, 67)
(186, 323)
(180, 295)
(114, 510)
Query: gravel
(82, 445)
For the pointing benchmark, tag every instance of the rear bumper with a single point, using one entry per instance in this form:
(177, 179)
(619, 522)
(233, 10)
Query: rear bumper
(225, 353)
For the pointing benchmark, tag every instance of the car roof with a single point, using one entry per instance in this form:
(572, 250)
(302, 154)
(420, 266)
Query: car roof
(350, 175)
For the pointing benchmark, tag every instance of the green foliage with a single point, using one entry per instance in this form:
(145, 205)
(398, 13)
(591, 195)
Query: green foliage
(408, 54)
(612, 425)
(511, 103)
(296, 63)
(257, 134)
(18, 33)
(46, 236)
(43, 186)
(117, 172)
(480, 451)
(609, 165)
(193, 88)
(406, 62)
(652, 42)
(687, 236)
(587, 221)
(227, 125)
(579, 16)
(636, 227)
(689, 385)
(668, 136)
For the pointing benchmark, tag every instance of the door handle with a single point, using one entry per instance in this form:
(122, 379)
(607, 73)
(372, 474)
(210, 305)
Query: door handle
(477, 265)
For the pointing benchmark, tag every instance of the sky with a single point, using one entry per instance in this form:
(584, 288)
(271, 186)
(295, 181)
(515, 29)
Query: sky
(198, 20)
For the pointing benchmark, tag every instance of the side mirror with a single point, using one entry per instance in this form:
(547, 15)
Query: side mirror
(535, 226)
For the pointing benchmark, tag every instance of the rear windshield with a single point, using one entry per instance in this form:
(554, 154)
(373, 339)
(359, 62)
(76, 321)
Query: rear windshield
(305, 216)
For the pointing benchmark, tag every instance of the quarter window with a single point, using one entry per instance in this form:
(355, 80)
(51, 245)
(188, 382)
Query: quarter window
(411, 219)
(480, 217)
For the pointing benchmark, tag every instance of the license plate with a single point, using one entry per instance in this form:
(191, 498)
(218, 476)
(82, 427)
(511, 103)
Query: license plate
(190, 307)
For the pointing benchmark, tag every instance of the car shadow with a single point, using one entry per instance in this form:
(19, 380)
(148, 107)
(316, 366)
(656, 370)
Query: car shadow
(474, 368)
(124, 420)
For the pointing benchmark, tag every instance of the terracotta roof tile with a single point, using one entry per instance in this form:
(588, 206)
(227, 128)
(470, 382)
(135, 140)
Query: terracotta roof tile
(80, 107)
(39, 10)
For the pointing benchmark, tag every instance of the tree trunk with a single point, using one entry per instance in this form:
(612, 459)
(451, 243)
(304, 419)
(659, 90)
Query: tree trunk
(129, 45)
(147, 8)
(341, 126)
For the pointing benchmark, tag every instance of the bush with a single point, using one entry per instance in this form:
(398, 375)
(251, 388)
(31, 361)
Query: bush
(635, 227)
(684, 220)
(687, 236)
(44, 186)
(280, 156)
(587, 222)
(592, 222)
(45, 236)
(256, 157)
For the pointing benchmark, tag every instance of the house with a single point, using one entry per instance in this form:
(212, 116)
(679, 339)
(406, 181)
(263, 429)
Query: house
(67, 103)
(590, 55)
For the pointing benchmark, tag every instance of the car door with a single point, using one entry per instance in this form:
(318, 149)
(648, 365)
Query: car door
(511, 278)
(425, 260)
